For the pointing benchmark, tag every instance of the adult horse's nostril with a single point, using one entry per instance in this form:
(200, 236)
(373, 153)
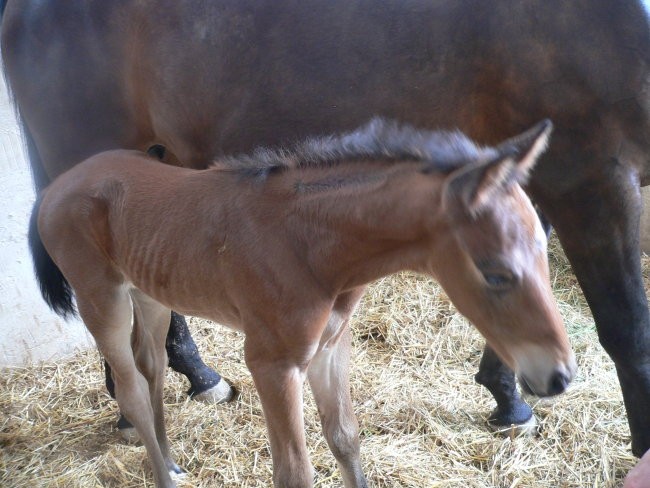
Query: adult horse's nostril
(559, 383)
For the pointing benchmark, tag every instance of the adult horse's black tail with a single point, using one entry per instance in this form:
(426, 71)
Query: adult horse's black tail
(55, 289)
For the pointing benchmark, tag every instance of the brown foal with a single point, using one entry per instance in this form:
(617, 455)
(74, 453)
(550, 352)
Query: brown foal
(280, 245)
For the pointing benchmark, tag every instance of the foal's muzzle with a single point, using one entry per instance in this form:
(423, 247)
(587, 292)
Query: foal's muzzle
(557, 383)
(542, 371)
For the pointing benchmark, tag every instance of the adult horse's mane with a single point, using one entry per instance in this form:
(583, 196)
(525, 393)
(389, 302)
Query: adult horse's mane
(379, 140)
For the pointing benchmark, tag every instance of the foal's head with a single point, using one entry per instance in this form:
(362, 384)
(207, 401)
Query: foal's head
(496, 267)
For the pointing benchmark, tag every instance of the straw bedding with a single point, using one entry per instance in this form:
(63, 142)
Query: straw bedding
(422, 417)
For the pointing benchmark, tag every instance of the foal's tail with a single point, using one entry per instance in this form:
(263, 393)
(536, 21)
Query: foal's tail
(55, 288)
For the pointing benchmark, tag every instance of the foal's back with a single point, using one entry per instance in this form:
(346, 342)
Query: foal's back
(110, 210)
(207, 243)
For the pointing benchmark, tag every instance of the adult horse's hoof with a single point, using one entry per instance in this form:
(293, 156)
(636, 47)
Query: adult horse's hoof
(177, 473)
(514, 422)
(127, 431)
(222, 392)
(530, 428)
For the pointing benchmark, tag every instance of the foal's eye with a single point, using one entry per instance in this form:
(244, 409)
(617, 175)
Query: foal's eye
(499, 280)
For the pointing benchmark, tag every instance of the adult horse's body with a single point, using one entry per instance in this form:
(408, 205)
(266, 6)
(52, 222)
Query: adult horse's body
(280, 246)
(211, 77)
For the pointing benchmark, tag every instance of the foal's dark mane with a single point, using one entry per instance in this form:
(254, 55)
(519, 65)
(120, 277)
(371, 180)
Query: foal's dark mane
(378, 140)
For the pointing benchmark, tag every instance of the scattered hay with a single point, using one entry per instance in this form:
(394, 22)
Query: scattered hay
(422, 417)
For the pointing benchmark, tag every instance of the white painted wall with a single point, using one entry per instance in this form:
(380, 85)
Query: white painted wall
(645, 220)
(29, 332)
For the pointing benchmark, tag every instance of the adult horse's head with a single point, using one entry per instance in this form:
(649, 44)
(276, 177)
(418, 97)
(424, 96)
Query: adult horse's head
(503, 283)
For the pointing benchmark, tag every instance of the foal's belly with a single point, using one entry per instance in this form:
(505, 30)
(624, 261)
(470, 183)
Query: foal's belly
(204, 306)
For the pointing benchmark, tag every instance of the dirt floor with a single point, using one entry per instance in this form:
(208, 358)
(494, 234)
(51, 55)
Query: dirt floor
(422, 416)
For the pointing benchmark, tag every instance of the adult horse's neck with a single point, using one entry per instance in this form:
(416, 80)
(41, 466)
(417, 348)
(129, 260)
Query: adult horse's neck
(361, 221)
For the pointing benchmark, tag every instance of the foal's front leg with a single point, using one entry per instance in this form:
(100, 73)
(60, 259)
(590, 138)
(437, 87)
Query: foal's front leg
(279, 382)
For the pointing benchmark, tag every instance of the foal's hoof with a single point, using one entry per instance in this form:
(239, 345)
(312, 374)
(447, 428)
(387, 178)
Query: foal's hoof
(222, 392)
(515, 422)
(127, 431)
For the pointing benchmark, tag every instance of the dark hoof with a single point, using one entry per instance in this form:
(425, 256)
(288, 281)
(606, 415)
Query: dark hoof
(637, 450)
(517, 420)
(222, 392)
(127, 431)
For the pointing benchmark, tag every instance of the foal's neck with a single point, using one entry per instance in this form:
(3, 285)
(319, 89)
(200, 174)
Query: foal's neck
(359, 226)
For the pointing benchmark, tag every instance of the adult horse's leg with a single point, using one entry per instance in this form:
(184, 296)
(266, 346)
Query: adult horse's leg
(206, 384)
(500, 380)
(598, 225)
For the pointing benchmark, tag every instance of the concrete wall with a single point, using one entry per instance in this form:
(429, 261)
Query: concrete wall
(29, 332)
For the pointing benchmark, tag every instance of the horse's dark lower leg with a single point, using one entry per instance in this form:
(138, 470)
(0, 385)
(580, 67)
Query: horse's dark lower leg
(500, 381)
(184, 358)
(546, 225)
(614, 290)
(620, 310)
(602, 244)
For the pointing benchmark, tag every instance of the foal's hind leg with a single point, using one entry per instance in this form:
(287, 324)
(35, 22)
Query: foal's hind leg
(148, 342)
(206, 384)
(107, 314)
(511, 411)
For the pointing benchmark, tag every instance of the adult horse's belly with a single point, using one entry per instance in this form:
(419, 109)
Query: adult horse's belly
(233, 75)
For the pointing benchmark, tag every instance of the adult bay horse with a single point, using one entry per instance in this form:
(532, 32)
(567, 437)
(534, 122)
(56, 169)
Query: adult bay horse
(280, 245)
(205, 78)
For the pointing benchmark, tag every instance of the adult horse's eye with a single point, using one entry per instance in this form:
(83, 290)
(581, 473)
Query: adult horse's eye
(499, 280)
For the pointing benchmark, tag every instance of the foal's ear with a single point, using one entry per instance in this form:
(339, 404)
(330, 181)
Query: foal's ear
(527, 147)
(473, 186)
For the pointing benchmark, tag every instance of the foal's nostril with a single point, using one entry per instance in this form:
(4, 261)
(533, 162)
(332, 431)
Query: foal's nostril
(559, 383)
